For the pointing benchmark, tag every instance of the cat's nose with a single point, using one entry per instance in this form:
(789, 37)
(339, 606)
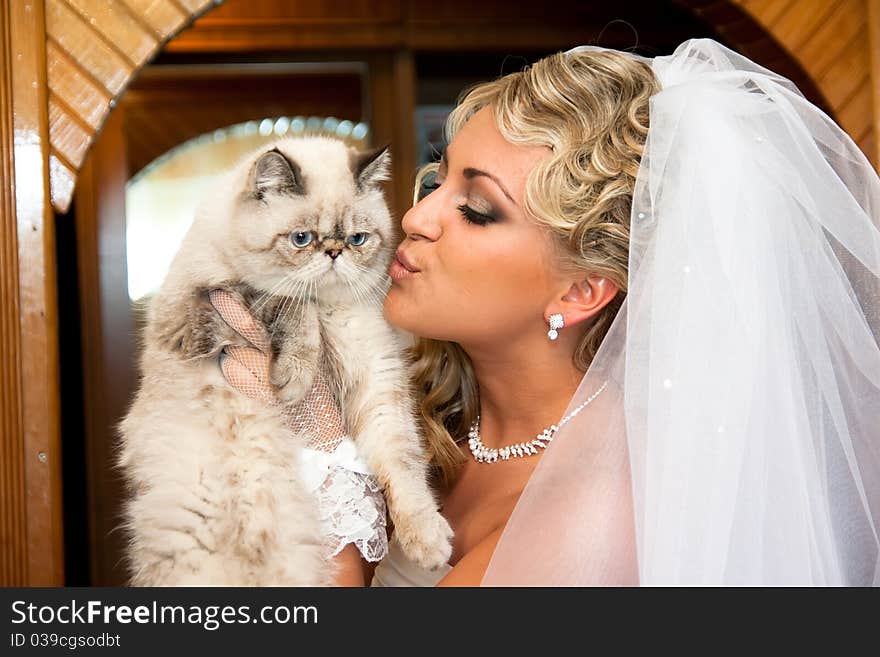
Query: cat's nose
(333, 252)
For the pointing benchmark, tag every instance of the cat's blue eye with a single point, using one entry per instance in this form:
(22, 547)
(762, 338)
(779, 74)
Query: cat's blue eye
(357, 239)
(301, 240)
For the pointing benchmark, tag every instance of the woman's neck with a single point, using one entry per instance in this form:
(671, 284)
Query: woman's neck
(524, 388)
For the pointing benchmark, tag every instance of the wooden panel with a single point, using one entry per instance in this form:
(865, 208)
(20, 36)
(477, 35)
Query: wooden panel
(108, 340)
(868, 144)
(854, 115)
(69, 138)
(62, 180)
(274, 36)
(168, 105)
(382, 129)
(195, 6)
(831, 40)
(29, 275)
(794, 28)
(67, 29)
(833, 36)
(13, 508)
(767, 11)
(313, 11)
(403, 137)
(744, 33)
(162, 17)
(874, 49)
(82, 94)
(116, 25)
(260, 25)
(850, 69)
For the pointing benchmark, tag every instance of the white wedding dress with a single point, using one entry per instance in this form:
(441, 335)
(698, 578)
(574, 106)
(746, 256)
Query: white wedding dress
(397, 570)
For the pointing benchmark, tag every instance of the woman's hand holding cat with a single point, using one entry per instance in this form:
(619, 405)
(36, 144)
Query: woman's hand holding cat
(247, 369)
(351, 501)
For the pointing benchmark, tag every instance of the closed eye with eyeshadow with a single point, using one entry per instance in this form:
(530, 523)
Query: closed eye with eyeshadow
(469, 214)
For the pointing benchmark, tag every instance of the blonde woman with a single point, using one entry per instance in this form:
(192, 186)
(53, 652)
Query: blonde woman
(644, 297)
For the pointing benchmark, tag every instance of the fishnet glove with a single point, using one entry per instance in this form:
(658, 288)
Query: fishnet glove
(349, 496)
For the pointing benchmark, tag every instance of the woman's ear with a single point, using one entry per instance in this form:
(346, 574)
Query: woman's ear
(583, 299)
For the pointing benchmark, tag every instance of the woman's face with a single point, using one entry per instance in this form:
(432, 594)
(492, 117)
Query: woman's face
(485, 270)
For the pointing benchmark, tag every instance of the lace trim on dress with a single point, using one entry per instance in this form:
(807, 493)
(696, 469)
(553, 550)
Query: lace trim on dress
(350, 499)
(353, 511)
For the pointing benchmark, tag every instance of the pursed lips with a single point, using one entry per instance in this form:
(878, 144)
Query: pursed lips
(405, 262)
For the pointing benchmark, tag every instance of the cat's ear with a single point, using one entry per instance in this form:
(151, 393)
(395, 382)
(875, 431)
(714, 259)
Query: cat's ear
(370, 167)
(274, 173)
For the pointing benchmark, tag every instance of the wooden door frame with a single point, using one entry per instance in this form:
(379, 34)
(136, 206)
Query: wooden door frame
(31, 531)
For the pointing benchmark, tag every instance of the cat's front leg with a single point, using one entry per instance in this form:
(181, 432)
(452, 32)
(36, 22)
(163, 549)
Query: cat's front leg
(190, 327)
(390, 441)
(296, 350)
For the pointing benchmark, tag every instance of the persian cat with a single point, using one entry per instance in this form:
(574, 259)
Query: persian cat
(302, 234)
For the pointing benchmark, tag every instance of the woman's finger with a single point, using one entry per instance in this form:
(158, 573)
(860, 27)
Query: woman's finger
(318, 416)
(246, 369)
(239, 318)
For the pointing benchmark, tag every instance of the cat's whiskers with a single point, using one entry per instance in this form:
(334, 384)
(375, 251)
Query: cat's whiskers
(296, 299)
(265, 296)
(280, 290)
(291, 310)
(358, 286)
(291, 296)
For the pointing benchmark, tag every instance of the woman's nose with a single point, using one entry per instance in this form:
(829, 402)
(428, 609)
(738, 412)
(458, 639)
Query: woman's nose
(423, 219)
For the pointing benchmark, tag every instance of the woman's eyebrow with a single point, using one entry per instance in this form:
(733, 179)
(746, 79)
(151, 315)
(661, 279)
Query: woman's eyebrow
(471, 172)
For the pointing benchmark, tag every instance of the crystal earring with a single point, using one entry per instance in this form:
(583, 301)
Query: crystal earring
(556, 322)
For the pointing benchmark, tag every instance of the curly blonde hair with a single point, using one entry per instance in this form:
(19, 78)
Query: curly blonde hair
(591, 109)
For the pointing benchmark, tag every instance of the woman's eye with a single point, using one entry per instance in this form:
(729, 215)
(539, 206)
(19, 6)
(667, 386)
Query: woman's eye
(300, 239)
(357, 239)
(474, 217)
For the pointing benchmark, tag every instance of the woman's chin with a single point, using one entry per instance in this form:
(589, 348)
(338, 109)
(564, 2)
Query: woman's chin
(396, 309)
(389, 307)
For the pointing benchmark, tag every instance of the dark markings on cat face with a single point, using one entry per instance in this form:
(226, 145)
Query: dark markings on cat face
(274, 185)
(369, 167)
(273, 173)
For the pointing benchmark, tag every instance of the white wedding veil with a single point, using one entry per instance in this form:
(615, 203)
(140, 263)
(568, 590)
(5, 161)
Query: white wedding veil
(738, 439)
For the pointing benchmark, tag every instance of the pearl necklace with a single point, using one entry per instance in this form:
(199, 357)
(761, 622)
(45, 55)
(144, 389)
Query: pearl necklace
(483, 454)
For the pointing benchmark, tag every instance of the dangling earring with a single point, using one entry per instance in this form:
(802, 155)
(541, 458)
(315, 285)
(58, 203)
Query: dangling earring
(556, 322)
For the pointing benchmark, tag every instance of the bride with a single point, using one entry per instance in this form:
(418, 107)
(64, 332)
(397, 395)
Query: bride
(644, 299)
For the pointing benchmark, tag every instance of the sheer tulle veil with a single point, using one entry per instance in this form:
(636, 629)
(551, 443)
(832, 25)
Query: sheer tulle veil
(738, 438)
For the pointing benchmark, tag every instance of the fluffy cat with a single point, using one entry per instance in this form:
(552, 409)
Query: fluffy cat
(302, 233)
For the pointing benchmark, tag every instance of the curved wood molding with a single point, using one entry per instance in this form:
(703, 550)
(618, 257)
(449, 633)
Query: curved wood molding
(93, 49)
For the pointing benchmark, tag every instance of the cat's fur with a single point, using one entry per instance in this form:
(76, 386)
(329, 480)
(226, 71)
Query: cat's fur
(215, 496)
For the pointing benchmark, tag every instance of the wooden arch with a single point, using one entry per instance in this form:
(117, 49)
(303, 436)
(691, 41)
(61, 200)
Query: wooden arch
(64, 65)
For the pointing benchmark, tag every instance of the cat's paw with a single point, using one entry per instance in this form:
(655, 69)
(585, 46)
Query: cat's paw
(193, 329)
(425, 539)
(291, 383)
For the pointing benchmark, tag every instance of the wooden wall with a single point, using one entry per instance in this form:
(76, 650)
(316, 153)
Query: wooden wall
(838, 44)
(30, 454)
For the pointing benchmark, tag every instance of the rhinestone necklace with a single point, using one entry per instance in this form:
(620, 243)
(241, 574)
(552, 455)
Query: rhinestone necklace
(485, 455)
